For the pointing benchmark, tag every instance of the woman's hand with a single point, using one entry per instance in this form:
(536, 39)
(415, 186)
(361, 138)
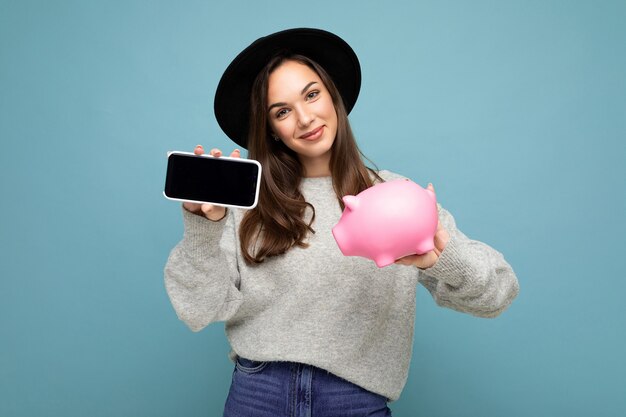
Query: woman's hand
(428, 259)
(210, 211)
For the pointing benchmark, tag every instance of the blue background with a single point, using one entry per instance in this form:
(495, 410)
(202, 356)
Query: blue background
(514, 110)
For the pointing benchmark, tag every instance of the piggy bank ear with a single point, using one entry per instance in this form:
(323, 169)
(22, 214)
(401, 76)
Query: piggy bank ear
(351, 202)
(431, 194)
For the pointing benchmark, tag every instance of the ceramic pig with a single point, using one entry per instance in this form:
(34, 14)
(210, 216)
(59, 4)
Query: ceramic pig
(388, 221)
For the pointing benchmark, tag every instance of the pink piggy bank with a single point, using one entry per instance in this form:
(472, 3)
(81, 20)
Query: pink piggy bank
(388, 221)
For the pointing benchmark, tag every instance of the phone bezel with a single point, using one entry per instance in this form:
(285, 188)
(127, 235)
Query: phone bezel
(238, 160)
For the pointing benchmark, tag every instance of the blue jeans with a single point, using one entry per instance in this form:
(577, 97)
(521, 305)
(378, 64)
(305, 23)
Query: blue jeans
(288, 389)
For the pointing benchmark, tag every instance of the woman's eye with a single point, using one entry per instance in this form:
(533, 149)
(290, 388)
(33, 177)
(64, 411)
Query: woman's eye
(312, 95)
(281, 113)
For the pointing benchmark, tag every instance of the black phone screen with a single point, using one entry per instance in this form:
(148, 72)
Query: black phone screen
(211, 180)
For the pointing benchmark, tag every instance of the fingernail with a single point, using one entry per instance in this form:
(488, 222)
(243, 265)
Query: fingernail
(237, 150)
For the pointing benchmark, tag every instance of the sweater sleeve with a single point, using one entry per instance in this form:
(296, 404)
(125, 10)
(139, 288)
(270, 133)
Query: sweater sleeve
(201, 274)
(469, 275)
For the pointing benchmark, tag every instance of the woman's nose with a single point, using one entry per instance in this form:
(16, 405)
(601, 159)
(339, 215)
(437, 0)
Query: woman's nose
(304, 118)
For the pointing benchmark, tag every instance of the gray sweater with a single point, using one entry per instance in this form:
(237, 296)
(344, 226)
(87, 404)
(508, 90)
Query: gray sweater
(316, 306)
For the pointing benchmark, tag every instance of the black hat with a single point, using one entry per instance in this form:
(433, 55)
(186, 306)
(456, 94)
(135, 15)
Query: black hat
(232, 98)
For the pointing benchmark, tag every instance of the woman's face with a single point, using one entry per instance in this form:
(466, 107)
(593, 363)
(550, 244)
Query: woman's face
(301, 113)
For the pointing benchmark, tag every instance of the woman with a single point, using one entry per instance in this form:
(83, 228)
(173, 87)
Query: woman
(312, 331)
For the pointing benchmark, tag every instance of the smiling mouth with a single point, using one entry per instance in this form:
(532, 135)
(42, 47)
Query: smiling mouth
(313, 134)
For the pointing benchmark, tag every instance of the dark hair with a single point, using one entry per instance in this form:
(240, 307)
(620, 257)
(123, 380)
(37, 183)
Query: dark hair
(277, 223)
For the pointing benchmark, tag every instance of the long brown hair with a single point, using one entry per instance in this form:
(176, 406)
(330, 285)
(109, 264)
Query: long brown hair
(277, 223)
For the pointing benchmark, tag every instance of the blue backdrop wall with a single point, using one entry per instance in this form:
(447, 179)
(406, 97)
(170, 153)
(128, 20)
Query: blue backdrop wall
(514, 110)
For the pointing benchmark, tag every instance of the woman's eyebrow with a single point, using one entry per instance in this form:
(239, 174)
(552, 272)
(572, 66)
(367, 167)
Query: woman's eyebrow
(276, 105)
(306, 87)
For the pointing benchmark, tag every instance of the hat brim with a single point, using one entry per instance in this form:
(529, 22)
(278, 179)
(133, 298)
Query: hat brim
(232, 97)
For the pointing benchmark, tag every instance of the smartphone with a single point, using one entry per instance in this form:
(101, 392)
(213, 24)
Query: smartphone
(223, 181)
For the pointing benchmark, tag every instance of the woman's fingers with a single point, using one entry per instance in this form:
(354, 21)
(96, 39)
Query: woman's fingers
(217, 153)
(191, 207)
(421, 261)
(212, 212)
(199, 150)
(207, 209)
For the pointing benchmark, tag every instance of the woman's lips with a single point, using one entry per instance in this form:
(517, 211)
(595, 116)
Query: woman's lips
(313, 134)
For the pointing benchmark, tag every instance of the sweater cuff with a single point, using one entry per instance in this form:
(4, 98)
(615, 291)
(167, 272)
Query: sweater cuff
(200, 232)
(450, 267)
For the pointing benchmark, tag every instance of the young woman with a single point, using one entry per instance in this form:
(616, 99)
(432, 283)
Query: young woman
(312, 332)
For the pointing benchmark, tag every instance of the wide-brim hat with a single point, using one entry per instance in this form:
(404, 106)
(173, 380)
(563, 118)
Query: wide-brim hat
(232, 98)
